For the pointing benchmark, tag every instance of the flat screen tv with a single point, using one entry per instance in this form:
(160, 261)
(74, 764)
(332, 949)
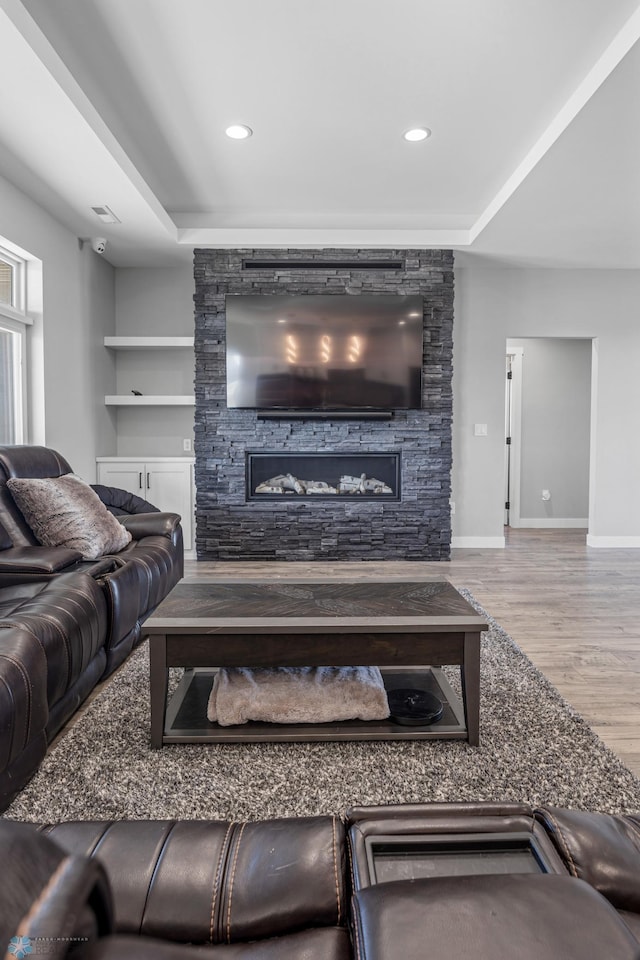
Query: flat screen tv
(324, 352)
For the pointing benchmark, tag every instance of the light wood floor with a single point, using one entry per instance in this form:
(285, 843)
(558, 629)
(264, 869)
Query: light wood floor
(573, 609)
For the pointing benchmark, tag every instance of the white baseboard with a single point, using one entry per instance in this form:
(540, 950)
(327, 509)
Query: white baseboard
(619, 542)
(478, 543)
(543, 522)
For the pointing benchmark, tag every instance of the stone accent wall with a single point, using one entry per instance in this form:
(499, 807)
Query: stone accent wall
(416, 528)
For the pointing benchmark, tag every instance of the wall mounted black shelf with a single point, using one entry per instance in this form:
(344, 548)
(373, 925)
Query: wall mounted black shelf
(325, 415)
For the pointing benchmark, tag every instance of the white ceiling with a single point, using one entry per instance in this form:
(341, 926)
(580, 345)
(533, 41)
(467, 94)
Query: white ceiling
(533, 104)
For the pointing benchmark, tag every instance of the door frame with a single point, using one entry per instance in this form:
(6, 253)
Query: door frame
(516, 353)
(512, 461)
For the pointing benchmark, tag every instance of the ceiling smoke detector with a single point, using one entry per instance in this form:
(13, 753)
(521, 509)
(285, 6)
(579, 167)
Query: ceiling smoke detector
(105, 214)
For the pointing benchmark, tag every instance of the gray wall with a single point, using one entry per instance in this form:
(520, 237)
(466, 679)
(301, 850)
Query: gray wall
(72, 370)
(494, 303)
(154, 302)
(477, 477)
(554, 428)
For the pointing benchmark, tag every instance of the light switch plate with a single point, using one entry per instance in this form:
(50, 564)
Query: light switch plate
(480, 430)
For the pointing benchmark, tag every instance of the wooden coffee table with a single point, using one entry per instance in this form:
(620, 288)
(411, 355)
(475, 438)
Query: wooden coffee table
(408, 629)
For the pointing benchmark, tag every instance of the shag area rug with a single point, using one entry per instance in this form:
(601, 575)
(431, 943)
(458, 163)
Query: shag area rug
(534, 748)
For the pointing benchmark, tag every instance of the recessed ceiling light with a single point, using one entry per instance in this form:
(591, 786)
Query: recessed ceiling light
(416, 134)
(238, 131)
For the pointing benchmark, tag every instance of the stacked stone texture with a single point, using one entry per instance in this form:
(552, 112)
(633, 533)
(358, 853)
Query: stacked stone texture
(415, 528)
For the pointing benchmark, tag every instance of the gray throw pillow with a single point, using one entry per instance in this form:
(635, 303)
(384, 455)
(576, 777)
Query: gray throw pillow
(65, 512)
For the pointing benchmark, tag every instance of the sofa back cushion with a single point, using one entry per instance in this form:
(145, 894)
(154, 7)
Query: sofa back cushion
(217, 882)
(601, 848)
(65, 512)
(24, 461)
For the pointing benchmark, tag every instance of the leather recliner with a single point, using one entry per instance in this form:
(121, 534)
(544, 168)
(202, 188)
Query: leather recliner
(586, 907)
(282, 888)
(67, 623)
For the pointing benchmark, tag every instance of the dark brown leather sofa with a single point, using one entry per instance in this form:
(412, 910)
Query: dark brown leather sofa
(67, 623)
(302, 889)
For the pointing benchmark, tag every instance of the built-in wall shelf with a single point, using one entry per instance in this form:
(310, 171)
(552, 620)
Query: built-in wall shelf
(148, 343)
(150, 400)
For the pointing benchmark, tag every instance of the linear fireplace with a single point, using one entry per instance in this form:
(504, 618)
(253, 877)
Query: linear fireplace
(325, 475)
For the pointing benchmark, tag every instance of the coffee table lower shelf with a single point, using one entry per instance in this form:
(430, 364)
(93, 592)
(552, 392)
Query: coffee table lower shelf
(186, 716)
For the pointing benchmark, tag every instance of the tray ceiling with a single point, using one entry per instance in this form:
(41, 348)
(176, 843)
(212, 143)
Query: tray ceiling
(534, 155)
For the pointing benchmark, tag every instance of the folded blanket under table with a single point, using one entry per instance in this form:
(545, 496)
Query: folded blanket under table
(297, 695)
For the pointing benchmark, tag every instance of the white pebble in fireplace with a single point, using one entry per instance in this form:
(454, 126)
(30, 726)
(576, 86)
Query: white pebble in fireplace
(287, 483)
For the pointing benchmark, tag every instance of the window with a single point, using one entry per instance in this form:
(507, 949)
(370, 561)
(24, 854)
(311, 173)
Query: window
(13, 325)
(11, 382)
(6, 283)
(12, 281)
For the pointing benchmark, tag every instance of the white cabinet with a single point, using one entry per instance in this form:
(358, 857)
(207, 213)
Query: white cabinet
(166, 482)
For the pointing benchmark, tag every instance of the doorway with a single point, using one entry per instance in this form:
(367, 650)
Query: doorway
(547, 432)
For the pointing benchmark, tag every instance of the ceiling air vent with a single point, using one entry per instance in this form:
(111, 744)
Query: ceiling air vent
(322, 265)
(105, 214)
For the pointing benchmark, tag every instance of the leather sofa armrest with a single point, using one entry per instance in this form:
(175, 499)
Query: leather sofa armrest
(50, 897)
(35, 563)
(102, 566)
(142, 525)
(502, 917)
(601, 848)
(24, 711)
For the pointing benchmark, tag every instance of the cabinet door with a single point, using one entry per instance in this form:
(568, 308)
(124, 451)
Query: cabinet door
(127, 476)
(168, 487)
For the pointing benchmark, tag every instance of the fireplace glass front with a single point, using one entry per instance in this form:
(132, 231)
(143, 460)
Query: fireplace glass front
(347, 476)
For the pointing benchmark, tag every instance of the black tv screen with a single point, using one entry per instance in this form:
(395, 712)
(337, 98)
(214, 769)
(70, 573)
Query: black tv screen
(324, 352)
